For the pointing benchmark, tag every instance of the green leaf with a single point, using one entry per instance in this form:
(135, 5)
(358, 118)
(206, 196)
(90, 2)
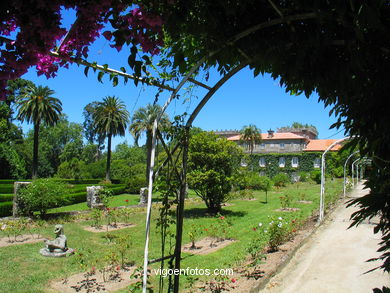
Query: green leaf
(137, 68)
(115, 81)
(86, 70)
(100, 76)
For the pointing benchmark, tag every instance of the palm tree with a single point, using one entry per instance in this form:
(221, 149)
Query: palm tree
(36, 105)
(111, 119)
(251, 135)
(142, 121)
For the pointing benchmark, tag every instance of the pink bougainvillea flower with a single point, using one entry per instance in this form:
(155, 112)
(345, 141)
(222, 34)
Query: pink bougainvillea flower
(222, 217)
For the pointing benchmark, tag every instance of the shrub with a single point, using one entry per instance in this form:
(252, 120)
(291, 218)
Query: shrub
(285, 201)
(133, 185)
(72, 169)
(278, 233)
(281, 179)
(96, 169)
(315, 176)
(41, 195)
(254, 181)
(337, 172)
(120, 169)
(241, 194)
(304, 176)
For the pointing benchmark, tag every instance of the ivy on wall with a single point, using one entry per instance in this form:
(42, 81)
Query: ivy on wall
(305, 162)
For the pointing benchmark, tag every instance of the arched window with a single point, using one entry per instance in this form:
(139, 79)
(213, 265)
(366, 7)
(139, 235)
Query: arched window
(317, 162)
(262, 162)
(282, 162)
(294, 162)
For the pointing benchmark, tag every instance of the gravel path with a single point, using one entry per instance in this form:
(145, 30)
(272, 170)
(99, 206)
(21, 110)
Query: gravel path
(333, 260)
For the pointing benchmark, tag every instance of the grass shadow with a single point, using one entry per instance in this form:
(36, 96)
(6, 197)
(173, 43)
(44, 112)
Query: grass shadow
(196, 213)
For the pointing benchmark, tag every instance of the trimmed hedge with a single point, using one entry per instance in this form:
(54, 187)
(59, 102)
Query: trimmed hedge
(70, 181)
(74, 196)
(10, 181)
(118, 190)
(6, 188)
(80, 181)
(6, 197)
(5, 208)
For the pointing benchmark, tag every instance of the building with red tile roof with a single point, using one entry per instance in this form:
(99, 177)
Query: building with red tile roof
(286, 152)
(284, 142)
(320, 145)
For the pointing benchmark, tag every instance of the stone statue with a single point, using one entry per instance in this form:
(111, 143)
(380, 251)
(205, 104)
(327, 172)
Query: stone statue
(57, 247)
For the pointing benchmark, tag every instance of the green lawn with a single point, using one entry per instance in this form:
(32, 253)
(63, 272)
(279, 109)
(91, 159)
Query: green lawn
(24, 270)
(116, 201)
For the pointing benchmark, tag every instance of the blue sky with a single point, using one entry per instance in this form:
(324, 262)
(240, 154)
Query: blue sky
(241, 101)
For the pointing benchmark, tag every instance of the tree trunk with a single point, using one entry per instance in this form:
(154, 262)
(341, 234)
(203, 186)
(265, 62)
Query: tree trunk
(108, 177)
(148, 154)
(35, 151)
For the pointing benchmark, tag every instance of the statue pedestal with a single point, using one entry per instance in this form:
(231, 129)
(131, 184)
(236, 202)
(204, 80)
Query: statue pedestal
(143, 195)
(93, 197)
(56, 252)
(16, 212)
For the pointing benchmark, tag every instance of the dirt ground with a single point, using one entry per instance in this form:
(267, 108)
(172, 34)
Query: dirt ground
(21, 239)
(207, 245)
(110, 228)
(120, 278)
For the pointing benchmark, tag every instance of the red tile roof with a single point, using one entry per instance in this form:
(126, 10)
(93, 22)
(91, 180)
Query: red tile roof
(316, 145)
(277, 135)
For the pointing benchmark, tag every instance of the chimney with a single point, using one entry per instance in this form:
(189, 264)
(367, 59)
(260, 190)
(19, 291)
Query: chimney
(270, 133)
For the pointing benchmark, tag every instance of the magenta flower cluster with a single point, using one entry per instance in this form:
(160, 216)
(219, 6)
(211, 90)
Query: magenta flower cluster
(34, 29)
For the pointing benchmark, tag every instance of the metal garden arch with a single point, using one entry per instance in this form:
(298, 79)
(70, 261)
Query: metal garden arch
(322, 194)
(345, 168)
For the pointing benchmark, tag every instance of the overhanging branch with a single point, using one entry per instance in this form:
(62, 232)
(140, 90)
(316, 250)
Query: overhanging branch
(114, 71)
